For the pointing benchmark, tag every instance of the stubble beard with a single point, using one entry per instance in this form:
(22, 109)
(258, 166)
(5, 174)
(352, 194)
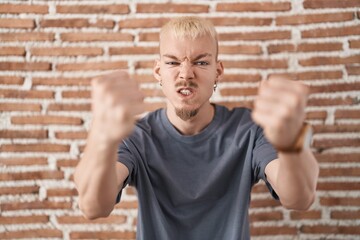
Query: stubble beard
(186, 114)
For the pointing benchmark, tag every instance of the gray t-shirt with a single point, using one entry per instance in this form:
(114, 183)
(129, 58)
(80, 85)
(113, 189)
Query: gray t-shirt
(195, 187)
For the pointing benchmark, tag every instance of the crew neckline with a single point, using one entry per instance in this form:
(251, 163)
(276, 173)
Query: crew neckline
(204, 134)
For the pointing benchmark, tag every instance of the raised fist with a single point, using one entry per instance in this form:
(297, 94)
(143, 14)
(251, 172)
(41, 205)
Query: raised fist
(280, 109)
(116, 100)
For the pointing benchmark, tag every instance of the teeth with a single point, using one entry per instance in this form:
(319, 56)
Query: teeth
(185, 92)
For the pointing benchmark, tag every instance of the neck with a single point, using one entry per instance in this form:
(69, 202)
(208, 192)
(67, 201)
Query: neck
(195, 124)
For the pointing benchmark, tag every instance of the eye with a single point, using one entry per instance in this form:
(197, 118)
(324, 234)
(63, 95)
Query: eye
(201, 63)
(172, 63)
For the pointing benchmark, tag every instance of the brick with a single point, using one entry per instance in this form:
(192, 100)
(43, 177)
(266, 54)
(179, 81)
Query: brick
(240, 49)
(331, 3)
(152, 92)
(262, 203)
(12, 51)
(261, 231)
(17, 107)
(33, 233)
(257, 63)
(17, 23)
(71, 135)
(92, 66)
(254, 7)
(11, 80)
(346, 114)
(15, 206)
(144, 78)
(66, 51)
(337, 157)
(127, 205)
(336, 128)
(82, 81)
(331, 143)
(253, 36)
(328, 229)
(144, 64)
(149, 36)
(102, 235)
(336, 87)
(10, 93)
(19, 190)
(354, 43)
(25, 66)
(314, 18)
(338, 186)
(339, 201)
(113, 219)
(76, 23)
(316, 115)
(331, 101)
(266, 216)
(241, 78)
(130, 191)
(27, 37)
(69, 107)
(94, 9)
(259, 188)
(349, 215)
(249, 91)
(317, 61)
(67, 162)
(33, 147)
(171, 8)
(353, 70)
(243, 21)
(24, 161)
(23, 8)
(340, 172)
(133, 50)
(46, 120)
(318, 75)
(76, 94)
(312, 214)
(91, 37)
(331, 32)
(23, 134)
(143, 22)
(61, 192)
(305, 47)
(16, 176)
(5, 220)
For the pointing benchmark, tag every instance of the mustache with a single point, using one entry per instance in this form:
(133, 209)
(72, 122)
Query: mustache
(186, 84)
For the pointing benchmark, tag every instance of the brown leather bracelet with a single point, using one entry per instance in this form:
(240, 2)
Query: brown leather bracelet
(302, 140)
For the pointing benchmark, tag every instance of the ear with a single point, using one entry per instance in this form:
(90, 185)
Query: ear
(156, 70)
(219, 71)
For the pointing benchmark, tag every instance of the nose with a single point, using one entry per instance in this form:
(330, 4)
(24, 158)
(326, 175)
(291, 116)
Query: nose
(186, 71)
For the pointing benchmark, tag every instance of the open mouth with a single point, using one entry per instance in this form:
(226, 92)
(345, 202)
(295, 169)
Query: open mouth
(185, 91)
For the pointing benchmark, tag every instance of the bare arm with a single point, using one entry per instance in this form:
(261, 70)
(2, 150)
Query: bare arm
(116, 100)
(294, 178)
(280, 110)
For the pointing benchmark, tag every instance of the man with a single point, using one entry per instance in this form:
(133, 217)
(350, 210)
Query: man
(194, 163)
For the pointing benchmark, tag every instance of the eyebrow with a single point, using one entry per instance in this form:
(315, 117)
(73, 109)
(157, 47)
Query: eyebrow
(195, 59)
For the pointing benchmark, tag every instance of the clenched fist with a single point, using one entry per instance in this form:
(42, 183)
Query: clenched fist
(116, 100)
(280, 109)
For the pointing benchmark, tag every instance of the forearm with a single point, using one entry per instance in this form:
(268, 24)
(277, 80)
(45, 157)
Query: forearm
(96, 178)
(296, 179)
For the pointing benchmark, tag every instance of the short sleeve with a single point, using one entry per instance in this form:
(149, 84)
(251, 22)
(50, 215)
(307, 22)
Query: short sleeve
(263, 153)
(125, 157)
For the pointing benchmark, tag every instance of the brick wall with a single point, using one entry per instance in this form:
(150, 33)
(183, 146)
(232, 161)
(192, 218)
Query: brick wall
(49, 50)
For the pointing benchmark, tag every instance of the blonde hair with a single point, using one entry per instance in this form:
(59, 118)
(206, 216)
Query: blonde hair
(190, 27)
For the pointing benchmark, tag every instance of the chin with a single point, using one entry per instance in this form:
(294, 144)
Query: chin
(186, 114)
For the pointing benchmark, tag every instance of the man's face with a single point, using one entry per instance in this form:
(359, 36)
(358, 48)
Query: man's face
(188, 70)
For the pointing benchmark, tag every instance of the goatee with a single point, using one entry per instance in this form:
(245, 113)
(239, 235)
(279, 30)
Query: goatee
(186, 114)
